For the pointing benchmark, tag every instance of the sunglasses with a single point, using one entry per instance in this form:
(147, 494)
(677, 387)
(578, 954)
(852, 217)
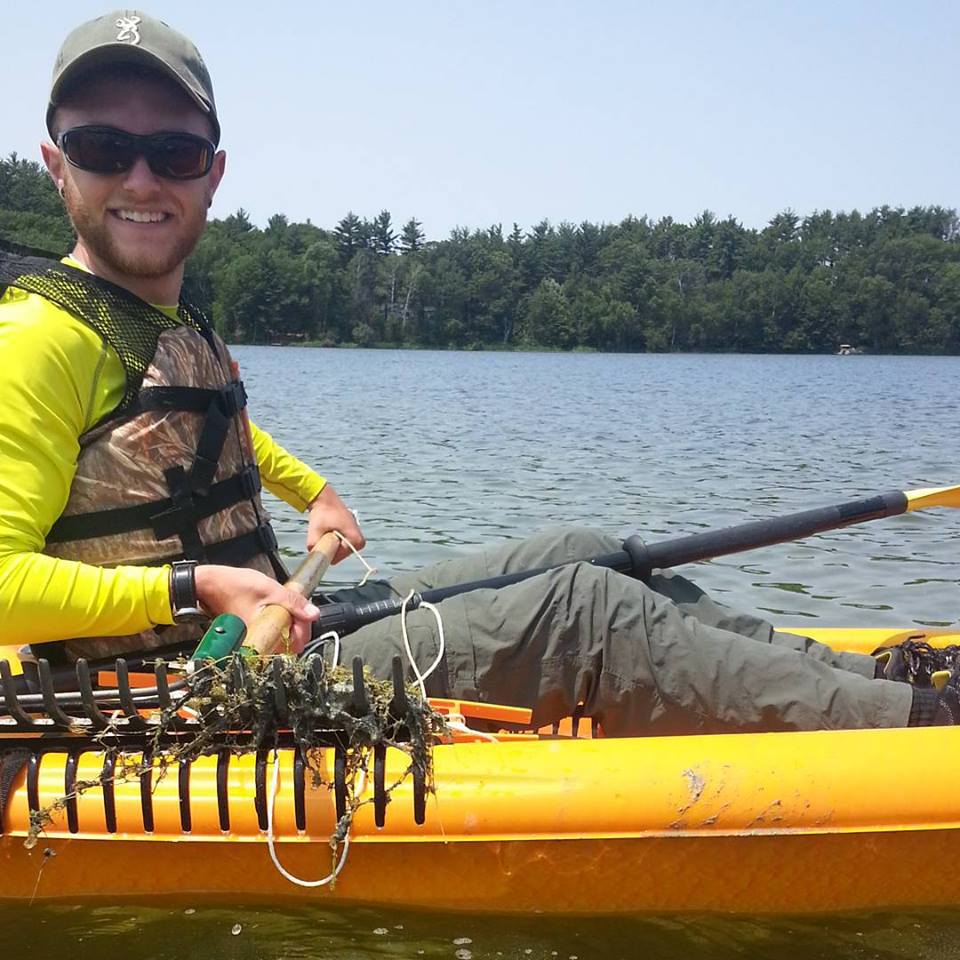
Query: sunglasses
(174, 156)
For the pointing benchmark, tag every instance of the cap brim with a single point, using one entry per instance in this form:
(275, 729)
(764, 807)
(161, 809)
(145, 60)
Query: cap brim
(111, 53)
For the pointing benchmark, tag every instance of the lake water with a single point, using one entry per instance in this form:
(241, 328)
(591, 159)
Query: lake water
(440, 452)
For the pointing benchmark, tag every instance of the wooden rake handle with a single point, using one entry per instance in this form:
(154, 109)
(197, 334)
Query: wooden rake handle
(270, 629)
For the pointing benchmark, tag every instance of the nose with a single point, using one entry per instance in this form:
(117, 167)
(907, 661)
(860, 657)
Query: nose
(140, 180)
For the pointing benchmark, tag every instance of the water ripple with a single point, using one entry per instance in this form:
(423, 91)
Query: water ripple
(444, 451)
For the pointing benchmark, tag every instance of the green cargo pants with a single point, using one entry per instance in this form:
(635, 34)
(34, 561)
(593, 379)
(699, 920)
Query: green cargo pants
(661, 658)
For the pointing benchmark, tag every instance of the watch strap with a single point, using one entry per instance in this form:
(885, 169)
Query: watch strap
(183, 591)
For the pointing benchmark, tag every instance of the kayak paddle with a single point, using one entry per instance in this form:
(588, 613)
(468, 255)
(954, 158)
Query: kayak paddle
(639, 559)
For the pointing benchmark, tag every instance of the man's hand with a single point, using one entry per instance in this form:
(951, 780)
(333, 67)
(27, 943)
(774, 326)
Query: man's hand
(246, 592)
(328, 512)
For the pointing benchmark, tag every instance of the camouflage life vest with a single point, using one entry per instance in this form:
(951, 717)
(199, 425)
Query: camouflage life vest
(170, 473)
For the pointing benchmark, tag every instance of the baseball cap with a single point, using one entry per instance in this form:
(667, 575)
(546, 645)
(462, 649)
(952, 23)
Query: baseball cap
(130, 36)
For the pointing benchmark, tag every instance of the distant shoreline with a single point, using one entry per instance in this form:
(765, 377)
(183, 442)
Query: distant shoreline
(313, 344)
(886, 281)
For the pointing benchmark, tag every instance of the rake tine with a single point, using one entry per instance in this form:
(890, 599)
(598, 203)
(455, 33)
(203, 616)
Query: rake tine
(50, 705)
(126, 697)
(163, 686)
(399, 703)
(94, 714)
(359, 700)
(10, 700)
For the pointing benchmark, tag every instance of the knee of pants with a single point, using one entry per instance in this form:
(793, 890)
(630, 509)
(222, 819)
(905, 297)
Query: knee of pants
(563, 544)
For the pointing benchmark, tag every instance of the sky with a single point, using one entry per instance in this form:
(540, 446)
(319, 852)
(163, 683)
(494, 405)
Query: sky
(500, 111)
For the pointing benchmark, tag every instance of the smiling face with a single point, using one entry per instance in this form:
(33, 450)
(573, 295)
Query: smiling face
(134, 228)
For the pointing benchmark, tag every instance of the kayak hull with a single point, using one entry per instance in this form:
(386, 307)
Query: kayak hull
(753, 823)
(765, 875)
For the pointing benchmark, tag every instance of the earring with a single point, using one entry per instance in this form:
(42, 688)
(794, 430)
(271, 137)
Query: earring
(61, 190)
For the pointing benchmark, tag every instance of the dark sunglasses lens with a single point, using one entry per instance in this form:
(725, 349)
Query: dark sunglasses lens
(99, 151)
(180, 157)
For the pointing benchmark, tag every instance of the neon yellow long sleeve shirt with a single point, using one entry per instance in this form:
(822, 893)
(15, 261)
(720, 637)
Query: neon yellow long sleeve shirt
(57, 379)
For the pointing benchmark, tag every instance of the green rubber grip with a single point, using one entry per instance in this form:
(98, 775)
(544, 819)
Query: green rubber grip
(222, 638)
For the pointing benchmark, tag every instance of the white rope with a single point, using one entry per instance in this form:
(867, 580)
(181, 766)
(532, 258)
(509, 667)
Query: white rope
(454, 722)
(321, 641)
(421, 677)
(275, 782)
(370, 570)
(461, 725)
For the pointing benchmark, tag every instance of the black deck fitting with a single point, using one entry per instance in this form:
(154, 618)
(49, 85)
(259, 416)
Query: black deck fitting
(183, 785)
(380, 798)
(223, 796)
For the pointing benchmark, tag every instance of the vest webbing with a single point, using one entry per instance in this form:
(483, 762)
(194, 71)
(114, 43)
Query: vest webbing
(130, 325)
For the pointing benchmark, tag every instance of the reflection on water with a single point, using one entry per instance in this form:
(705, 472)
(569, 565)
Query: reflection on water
(176, 932)
(443, 451)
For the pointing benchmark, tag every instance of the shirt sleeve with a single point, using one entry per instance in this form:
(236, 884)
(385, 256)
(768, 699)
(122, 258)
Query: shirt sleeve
(51, 390)
(283, 474)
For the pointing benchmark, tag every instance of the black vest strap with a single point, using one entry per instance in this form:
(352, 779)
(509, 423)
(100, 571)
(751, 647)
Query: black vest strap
(237, 551)
(161, 515)
(230, 399)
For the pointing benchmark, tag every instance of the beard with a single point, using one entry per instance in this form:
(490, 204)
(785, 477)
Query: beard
(159, 261)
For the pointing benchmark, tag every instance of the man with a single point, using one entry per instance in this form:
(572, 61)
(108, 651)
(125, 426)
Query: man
(126, 449)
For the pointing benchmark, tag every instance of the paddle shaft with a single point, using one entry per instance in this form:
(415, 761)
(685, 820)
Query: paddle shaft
(639, 559)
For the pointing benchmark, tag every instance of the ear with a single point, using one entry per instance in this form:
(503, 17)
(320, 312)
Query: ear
(216, 174)
(53, 161)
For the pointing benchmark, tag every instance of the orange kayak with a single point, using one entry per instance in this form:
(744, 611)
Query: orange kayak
(754, 823)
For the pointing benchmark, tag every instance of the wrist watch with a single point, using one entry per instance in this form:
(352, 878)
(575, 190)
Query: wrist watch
(183, 592)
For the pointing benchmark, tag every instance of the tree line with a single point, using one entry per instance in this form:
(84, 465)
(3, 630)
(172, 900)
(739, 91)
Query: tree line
(887, 281)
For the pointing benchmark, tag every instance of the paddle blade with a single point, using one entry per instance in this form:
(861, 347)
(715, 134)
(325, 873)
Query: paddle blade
(933, 497)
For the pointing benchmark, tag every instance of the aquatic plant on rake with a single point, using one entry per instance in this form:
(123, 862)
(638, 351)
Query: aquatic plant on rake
(246, 703)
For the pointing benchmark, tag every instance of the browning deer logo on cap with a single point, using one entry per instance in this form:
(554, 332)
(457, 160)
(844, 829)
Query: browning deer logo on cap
(129, 29)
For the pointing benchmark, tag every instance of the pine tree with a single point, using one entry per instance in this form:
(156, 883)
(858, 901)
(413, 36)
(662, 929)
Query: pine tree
(383, 236)
(347, 235)
(411, 237)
